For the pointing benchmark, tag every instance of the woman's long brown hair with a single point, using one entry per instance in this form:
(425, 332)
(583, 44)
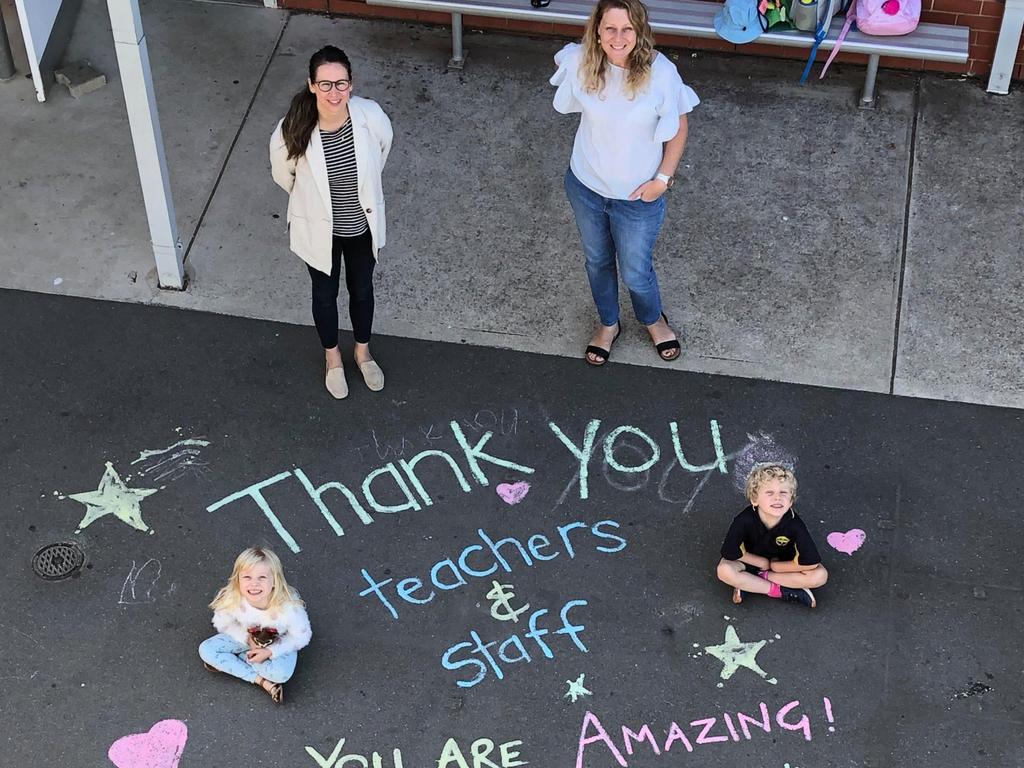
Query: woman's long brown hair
(595, 62)
(302, 114)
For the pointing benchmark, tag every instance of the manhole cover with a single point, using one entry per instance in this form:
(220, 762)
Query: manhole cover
(58, 561)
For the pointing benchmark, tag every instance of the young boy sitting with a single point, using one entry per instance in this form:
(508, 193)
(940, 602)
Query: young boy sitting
(768, 549)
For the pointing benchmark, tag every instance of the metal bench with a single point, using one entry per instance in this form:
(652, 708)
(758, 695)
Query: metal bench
(694, 18)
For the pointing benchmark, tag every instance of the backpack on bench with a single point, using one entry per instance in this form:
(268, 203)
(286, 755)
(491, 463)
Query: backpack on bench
(878, 17)
(888, 17)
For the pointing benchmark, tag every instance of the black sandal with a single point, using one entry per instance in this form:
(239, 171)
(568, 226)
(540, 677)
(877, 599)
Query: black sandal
(671, 346)
(601, 353)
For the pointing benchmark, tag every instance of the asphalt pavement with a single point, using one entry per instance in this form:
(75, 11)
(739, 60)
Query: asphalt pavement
(564, 610)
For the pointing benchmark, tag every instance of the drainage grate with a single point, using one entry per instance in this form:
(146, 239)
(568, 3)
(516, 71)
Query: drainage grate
(58, 561)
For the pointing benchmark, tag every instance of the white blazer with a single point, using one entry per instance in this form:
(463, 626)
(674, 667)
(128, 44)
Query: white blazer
(310, 218)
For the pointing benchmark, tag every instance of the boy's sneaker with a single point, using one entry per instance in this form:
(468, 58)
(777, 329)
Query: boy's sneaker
(803, 596)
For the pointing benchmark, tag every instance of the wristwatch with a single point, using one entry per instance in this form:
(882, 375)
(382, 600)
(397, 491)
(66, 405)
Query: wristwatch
(665, 179)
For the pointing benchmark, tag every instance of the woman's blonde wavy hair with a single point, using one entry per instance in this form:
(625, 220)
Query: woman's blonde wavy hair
(595, 63)
(230, 595)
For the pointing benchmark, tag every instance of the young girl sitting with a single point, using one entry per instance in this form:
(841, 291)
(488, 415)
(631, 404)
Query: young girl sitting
(261, 624)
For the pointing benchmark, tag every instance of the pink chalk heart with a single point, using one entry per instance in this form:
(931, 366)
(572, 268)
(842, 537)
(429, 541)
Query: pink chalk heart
(160, 748)
(513, 493)
(848, 542)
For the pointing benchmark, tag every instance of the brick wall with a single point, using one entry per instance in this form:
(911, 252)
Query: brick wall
(982, 16)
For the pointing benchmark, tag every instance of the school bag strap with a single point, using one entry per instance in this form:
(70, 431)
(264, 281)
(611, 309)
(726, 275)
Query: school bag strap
(851, 14)
(819, 35)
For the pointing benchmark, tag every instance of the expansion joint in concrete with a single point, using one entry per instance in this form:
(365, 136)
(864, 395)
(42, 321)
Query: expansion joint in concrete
(234, 139)
(907, 204)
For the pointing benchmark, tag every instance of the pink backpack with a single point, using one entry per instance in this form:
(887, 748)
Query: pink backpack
(888, 17)
(875, 17)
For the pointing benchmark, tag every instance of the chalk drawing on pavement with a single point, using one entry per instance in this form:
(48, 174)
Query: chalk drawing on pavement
(326, 762)
(173, 462)
(848, 542)
(140, 583)
(576, 689)
(513, 493)
(113, 497)
(761, 449)
(735, 654)
(501, 606)
(160, 747)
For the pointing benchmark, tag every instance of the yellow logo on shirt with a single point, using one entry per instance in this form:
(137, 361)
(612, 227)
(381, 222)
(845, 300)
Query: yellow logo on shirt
(781, 541)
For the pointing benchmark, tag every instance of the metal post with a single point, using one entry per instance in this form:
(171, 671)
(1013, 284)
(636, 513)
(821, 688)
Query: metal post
(867, 98)
(458, 58)
(139, 97)
(7, 70)
(1006, 47)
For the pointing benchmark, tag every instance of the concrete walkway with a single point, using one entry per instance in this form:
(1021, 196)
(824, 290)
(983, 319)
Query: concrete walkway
(806, 241)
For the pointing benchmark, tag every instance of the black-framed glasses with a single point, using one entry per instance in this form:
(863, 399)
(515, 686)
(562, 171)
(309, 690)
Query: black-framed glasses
(325, 86)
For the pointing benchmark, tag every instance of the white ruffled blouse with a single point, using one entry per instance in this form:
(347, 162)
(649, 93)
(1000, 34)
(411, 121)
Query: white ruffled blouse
(619, 142)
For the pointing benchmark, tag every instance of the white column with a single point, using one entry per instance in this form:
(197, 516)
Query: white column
(1006, 47)
(139, 97)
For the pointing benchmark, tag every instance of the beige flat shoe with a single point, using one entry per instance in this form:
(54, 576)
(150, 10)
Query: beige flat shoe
(372, 375)
(336, 383)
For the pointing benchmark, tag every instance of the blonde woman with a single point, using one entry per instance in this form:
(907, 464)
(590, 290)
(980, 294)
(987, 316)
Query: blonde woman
(631, 137)
(328, 154)
(261, 624)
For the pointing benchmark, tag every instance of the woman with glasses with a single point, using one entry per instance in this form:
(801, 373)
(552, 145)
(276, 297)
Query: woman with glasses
(327, 154)
(630, 140)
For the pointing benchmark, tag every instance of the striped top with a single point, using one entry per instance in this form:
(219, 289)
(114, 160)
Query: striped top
(340, 153)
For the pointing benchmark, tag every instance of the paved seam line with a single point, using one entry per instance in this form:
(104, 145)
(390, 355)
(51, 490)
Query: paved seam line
(892, 586)
(234, 140)
(906, 234)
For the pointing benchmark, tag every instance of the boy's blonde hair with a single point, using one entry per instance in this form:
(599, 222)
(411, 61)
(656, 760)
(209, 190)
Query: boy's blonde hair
(762, 473)
(230, 595)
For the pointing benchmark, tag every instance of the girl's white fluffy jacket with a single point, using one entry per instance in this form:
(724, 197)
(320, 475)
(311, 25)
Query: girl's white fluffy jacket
(291, 623)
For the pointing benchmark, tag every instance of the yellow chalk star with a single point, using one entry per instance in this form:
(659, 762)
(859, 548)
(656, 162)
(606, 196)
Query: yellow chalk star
(733, 654)
(113, 497)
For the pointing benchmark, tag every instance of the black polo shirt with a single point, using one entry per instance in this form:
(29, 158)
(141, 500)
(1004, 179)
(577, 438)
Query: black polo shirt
(788, 540)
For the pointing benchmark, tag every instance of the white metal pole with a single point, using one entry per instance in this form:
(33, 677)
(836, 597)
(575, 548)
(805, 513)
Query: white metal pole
(140, 99)
(1006, 47)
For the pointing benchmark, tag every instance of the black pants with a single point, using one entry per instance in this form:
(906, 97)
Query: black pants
(359, 263)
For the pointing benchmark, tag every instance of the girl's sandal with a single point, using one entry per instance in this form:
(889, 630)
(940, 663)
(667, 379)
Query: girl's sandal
(276, 690)
(208, 668)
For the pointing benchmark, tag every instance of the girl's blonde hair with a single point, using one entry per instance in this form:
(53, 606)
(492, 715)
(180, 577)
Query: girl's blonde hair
(230, 595)
(762, 473)
(595, 63)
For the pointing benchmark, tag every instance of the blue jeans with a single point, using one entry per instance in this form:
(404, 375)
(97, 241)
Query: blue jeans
(624, 231)
(225, 653)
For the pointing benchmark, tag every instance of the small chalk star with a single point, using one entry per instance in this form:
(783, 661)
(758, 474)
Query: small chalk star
(576, 689)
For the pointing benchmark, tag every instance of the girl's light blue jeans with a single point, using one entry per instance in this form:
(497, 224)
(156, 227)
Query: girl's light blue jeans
(225, 653)
(618, 235)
